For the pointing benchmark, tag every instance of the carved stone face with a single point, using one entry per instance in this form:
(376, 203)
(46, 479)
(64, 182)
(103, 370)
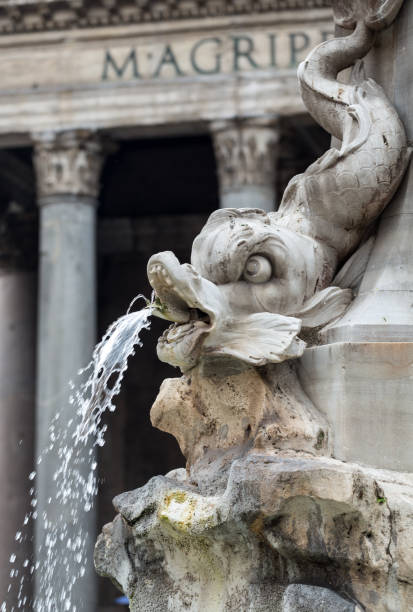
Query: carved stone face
(244, 294)
(258, 264)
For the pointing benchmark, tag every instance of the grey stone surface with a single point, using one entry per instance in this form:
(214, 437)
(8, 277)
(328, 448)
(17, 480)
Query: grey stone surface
(65, 342)
(364, 389)
(18, 294)
(307, 598)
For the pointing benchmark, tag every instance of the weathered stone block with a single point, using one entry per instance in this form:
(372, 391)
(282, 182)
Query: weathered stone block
(307, 598)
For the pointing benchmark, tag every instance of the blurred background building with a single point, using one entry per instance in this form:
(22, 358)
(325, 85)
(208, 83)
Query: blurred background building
(123, 124)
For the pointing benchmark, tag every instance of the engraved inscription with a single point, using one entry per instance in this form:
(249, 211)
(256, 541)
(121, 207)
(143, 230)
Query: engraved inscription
(220, 54)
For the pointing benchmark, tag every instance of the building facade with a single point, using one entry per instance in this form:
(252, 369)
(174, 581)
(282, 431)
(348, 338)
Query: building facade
(122, 125)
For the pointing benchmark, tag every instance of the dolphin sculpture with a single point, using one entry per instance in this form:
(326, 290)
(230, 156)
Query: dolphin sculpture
(256, 279)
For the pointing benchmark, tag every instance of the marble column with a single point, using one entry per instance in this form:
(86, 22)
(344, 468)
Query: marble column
(67, 170)
(17, 394)
(246, 152)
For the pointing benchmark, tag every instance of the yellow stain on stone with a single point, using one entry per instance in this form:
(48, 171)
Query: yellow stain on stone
(186, 521)
(185, 512)
(257, 526)
(178, 510)
(179, 496)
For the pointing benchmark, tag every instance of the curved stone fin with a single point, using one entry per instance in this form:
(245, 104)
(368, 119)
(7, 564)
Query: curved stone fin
(325, 97)
(324, 306)
(351, 274)
(357, 124)
(358, 72)
(259, 338)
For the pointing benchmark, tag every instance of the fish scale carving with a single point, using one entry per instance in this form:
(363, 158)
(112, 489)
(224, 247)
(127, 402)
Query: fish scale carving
(338, 195)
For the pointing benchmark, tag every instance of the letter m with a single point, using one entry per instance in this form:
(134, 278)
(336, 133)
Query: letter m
(119, 71)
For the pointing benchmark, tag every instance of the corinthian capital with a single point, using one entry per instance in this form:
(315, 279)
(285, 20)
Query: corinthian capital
(246, 151)
(68, 163)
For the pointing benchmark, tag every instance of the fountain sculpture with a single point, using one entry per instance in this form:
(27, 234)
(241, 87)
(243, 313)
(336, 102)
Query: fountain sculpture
(266, 515)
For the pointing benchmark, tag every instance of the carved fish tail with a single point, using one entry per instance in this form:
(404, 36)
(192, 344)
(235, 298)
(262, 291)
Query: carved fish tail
(345, 190)
(325, 98)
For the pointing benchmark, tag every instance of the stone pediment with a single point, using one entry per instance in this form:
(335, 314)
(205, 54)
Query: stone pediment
(24, 16)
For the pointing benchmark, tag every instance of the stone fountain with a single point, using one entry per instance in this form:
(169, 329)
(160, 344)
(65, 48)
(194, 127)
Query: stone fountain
(293, 331)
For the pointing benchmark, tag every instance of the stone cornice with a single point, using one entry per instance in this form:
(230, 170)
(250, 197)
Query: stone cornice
(24, 16)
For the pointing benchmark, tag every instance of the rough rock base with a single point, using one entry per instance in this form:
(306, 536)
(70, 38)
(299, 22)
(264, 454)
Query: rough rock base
(277, 522)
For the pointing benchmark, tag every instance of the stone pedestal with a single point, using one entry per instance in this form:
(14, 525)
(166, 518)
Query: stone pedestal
(68, 167)
(365, 392)
(246, 153)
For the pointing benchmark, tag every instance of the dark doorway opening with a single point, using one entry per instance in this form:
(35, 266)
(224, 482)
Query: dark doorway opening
(156, 195)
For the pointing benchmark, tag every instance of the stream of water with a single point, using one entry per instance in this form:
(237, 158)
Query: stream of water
(74, 435)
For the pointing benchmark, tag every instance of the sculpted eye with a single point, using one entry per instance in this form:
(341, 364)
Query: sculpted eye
(258, 269)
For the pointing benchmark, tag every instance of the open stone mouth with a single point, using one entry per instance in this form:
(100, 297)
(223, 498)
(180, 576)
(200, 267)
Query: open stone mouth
(178, 331)
(177, 301)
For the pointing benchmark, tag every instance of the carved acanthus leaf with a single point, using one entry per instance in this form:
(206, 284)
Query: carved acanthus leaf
(246, 152)
(68, 163)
